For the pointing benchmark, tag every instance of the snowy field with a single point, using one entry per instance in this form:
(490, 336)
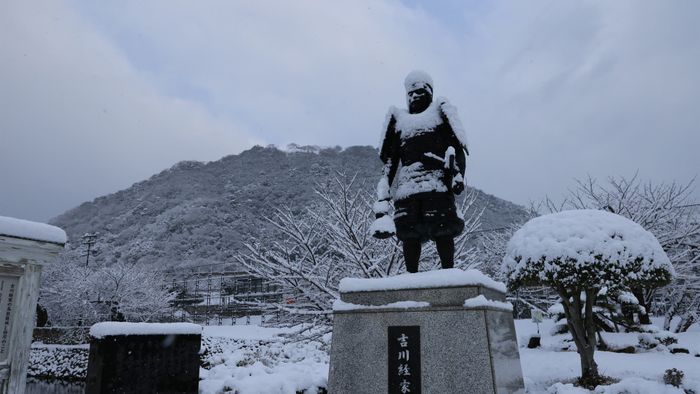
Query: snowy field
(251, 359)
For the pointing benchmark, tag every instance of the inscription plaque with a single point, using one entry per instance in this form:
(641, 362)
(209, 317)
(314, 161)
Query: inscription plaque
(144, 364)
(8, 288)
(404, 359)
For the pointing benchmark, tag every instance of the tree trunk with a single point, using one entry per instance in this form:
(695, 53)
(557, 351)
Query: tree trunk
(589, 368)
(590, 372)
(582, 329)
(643, 302)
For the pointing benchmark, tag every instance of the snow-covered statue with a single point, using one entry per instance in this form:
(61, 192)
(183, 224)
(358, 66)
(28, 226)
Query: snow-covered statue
(424, 152)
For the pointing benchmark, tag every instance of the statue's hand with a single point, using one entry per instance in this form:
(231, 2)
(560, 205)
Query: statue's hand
(382, 235)
(458, 188)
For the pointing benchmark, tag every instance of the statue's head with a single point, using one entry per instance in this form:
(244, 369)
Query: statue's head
(419, 91)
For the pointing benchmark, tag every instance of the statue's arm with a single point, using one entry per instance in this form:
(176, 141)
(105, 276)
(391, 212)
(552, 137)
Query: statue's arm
(457, 138)
(383, 226)
(389, 150)
(451, 117)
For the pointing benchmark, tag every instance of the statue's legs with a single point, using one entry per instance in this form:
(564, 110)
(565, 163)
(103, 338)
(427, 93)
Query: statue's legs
(411, 254)
(446, 250)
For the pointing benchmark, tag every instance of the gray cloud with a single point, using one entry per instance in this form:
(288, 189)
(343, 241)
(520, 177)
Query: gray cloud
(78, 121)
(104, 96)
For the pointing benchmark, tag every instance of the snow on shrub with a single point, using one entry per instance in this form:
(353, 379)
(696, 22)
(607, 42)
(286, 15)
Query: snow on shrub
(578, 253)
(585, 248)
(66, 362)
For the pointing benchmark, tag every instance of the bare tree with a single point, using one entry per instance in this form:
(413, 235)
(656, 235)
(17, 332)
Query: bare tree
(669, 212)
(325, 243)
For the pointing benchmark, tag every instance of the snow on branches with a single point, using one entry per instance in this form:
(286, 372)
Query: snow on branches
(317, 247)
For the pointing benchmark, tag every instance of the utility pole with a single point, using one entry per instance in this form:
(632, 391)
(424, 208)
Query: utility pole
(89, 239)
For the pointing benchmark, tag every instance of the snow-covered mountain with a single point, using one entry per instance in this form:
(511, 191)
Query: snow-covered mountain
(201, 213)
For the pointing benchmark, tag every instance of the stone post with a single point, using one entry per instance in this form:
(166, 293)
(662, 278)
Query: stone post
(144, 358)
(24, 248)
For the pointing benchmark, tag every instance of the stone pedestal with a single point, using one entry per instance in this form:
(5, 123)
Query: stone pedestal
(446, 331)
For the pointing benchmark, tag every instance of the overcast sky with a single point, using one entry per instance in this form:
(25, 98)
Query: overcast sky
(97, 95)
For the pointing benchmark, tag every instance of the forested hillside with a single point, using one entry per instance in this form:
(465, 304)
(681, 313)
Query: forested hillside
(201, 213)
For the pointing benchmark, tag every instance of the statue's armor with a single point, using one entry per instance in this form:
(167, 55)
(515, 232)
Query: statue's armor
(413, 151)
(423, 144)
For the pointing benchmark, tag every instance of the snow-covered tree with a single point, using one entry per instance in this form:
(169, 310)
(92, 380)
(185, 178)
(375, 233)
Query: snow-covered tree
(74, 294)
(317, 247)
(68, 287)
(668, 211)
(578, 253)
(133, 292)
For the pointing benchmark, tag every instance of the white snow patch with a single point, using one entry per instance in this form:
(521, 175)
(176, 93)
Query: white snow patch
(382, 207)
(261, 367)
(409, 125)
(384, 224)
(413, 179)
(245, 332)
(430, 279)
(19, 228)
(452, 116)
(482, 302)
(101, 330)
(556, 309)
(339, 305)
(580, 235)
(416, 79)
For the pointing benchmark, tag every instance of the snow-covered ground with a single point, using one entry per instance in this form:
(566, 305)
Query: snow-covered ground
(251, 359)
(642, 372)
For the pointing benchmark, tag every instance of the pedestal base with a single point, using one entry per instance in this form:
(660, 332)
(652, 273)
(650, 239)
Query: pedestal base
(460, 349)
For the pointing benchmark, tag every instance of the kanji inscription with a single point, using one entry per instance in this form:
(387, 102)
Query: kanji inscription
(8, 288)
(404, 359)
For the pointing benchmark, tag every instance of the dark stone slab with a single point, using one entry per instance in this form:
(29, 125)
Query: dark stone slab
(404, 359)
(144, 364)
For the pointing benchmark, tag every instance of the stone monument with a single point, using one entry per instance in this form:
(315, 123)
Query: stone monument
(25, 247)
(444, 331)
(144, 358)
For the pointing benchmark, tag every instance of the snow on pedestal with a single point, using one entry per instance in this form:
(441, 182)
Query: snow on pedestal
(456, 328)
(24, 248)
(422, 280)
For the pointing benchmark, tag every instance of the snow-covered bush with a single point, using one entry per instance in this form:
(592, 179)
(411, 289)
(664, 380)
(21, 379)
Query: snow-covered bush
(578, 253)
(674, 377)
(653, 340)
(66, 362)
